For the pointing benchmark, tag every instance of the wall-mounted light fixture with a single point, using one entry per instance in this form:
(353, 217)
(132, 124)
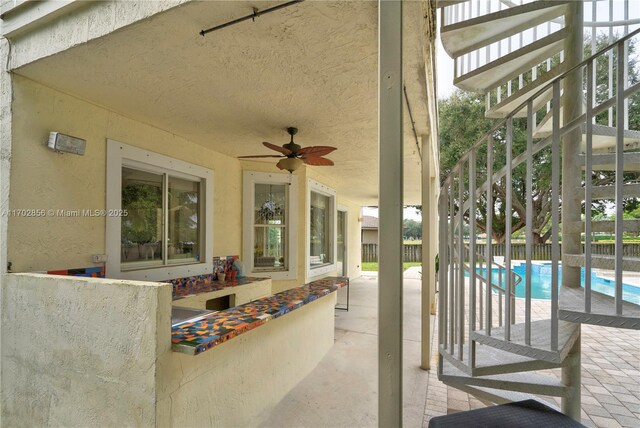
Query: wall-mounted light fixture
(63, 143)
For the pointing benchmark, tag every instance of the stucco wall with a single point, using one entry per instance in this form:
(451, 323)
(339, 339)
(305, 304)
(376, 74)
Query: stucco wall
(43, 179)
(237, 383)
(80, 351)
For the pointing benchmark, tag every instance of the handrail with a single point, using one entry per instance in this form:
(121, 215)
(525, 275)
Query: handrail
(548, 85)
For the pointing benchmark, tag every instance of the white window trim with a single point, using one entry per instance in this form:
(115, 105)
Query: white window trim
(119, 154)
(314, 186)
(345, 262)
(250, 179)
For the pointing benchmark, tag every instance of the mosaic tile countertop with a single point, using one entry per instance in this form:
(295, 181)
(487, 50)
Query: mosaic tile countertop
(194, 285)
(196, 337)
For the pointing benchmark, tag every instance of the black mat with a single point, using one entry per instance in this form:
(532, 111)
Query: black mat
(521, 414)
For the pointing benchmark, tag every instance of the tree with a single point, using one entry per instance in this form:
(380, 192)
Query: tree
(412, 229)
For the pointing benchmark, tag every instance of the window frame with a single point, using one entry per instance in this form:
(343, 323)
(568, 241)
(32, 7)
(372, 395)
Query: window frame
(250, 179)
(317, 187)
(121, 155)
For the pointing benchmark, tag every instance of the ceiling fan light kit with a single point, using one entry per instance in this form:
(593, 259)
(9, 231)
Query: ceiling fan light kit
(290, 164)
(294, 155)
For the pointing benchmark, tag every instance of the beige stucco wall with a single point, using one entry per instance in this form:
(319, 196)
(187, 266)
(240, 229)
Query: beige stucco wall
(43, 179)
(80, 351)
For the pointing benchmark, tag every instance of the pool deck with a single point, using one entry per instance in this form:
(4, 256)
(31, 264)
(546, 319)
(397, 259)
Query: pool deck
(610, 371)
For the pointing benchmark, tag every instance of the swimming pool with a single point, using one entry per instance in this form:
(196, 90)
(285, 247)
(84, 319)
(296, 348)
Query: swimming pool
(541, 283)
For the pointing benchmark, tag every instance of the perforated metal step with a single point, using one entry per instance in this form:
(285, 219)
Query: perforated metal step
(511, 65)
(472, 34)
(540, 347)
(490, 361)
(532, 383)
(603, 309)
(602, 262)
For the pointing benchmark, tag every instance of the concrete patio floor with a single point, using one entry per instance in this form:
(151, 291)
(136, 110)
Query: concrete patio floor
(342, 390)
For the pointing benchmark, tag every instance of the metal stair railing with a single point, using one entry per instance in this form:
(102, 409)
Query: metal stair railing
(480, 281)
(484, 175)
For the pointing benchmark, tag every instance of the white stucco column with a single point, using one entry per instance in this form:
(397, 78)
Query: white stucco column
(5, 165)
(390, 111)
(428, 257)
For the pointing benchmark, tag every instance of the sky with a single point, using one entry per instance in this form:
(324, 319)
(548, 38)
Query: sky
(409, 213)
(444, 65)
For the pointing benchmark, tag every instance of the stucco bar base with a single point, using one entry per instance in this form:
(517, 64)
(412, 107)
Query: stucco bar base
(97, 352)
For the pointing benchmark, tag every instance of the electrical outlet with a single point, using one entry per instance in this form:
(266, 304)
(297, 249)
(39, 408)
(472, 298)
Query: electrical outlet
(99, 258)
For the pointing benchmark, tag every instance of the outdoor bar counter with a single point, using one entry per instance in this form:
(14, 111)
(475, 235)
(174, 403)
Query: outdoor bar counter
(198, 336)
(107, 349)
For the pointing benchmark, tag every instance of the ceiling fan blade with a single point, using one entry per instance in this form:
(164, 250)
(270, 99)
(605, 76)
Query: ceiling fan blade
(317, 161)
(316, 150)
(279, 164)
(260, 156)
(280, 149)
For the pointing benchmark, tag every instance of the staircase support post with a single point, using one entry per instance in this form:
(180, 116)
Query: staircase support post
(571, 404)
(571, 142)
(429, 249)
(390, 158)
(571, 182)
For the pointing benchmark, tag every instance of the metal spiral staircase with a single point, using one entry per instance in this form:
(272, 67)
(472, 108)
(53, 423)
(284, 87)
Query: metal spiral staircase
(526, 56)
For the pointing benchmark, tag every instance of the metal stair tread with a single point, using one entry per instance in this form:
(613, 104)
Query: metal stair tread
(609, 192)
(471, 34)
(571, 308)
(490, 360)
(607, 161)
(631, 225)
(509, 104)
(534, 383)
(604, 137)
(540, 347)
(511, 65)
(602, 262)
(501, 396)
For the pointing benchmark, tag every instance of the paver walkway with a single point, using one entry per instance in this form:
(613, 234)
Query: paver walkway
(342, 390)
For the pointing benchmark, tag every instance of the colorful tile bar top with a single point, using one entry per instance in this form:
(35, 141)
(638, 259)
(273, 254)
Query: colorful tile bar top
(194, 285)
(193, 338)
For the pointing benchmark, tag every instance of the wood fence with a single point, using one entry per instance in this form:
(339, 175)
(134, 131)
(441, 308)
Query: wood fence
(413, 252)
(410, 252)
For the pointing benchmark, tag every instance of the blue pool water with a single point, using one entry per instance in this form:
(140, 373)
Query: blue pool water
(541, 283)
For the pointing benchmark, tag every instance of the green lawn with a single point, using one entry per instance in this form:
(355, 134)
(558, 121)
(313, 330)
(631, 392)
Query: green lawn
(373, 266)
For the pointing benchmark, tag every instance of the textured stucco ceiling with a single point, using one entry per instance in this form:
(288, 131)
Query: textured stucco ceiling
(312, 65)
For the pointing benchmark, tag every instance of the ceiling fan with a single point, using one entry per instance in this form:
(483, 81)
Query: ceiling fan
(294, 155)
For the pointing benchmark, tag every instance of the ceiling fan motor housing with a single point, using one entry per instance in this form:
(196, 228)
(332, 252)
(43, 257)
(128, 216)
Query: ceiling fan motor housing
(291, 145)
